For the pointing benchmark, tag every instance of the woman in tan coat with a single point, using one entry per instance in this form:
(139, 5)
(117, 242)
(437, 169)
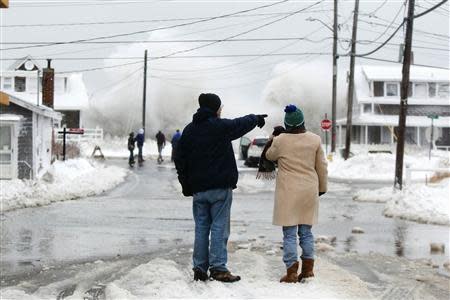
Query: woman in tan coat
(301, 179)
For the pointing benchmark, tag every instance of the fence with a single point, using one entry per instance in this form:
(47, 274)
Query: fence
(429, 172)
(90, 134)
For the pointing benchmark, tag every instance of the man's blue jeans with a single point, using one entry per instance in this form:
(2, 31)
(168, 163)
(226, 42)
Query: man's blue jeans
(212, 216)
(290, 254)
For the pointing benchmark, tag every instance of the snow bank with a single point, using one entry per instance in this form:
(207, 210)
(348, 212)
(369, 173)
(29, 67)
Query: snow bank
(378, 167)
(68, 180)
(117, 147)
(161, 278)
(417, 202)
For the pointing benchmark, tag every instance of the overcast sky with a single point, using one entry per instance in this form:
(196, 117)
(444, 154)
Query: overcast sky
(252, 74)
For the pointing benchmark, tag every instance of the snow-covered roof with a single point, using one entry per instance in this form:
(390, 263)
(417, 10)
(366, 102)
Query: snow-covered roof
(10, 117)
(392, 120)
(394, 73)
(75, 98)
(39, 109)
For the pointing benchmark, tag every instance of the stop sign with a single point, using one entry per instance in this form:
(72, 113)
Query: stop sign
(325, 124)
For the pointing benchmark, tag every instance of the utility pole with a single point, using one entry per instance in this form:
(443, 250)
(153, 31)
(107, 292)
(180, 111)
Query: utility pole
(351, 84)
(404, 98)
(335, 57)
(144, 96)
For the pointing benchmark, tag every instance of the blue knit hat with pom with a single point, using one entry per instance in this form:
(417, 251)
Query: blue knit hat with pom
(293, 117)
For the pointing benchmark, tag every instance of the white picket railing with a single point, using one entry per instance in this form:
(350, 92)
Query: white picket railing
(90, 134)
(429, 171)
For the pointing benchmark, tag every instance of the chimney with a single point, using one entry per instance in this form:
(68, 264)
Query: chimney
(48, 85)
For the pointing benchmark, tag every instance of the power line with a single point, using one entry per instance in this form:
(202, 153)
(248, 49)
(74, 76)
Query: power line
(177, 41)
(148, 30)
(396, 62)
(142, 21)
(398, 28)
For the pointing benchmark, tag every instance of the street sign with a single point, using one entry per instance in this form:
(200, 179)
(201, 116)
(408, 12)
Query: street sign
(75, 130)
(434, 117)
(325, 124)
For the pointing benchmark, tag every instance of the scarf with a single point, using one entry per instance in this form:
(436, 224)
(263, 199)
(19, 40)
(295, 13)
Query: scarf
(266, 168)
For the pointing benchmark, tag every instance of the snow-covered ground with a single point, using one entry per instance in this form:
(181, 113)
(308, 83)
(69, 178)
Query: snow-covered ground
(380, 167)
(161, 278)
(117, 147)
(75, 178)
(416, 202)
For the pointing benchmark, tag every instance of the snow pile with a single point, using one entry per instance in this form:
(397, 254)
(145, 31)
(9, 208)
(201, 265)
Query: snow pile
(161, 278)
(117, 147)
(378, 167)
(417, 202)
(75, 178)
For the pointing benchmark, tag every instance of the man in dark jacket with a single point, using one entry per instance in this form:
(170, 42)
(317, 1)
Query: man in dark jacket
(176, 137)
(161, 142)
(131, 143)
(207, 170)
(140, 143)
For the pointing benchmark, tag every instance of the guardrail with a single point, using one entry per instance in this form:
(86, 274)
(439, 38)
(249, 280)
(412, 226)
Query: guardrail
(409, 171)
(446, 148)
(90, 134)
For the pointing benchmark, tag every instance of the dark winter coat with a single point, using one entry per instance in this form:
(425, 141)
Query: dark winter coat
(140, 139)
(131, 142)
(160, 138)
(205, 157)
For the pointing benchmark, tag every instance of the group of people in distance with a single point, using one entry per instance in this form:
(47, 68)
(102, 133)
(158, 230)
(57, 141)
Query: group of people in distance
(160, 140)
(207, 171)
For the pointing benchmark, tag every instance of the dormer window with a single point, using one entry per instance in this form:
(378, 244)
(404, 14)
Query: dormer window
(432, 89)
(20, 84)
(443, 91)
(378, 88)
(420, 90)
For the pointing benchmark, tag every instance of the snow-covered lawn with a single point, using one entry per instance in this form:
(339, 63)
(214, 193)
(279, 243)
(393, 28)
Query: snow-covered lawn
(380, 167)
(417, 202)
(117, 147)
(68, 180)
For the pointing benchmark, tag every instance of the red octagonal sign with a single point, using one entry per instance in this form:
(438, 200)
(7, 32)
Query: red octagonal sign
(325, 124)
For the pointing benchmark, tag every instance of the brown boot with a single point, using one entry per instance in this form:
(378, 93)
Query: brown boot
(291, 275)
(307, 269)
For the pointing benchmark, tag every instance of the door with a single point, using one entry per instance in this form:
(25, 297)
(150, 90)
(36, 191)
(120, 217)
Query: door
(7, 164)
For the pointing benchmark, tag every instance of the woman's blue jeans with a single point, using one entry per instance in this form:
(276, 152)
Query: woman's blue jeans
(211, 211)
(290, 254)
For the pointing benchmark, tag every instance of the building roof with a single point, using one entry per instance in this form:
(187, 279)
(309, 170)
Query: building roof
(391, 120)
(39, 109)
(394, 73)
(16, 65)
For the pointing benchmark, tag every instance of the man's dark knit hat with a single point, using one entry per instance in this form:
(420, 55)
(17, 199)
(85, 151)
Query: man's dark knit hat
(211, 101)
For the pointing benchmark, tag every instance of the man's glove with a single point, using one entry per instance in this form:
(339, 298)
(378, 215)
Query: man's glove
(261, 121)
(321, 193)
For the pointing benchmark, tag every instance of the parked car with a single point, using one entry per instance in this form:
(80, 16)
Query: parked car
(254, 150)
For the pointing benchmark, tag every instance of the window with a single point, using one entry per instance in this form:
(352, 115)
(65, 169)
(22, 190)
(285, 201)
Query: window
(19, 84)
(367, 108)
(410, 89)
(378, 89)
(432, 89)
(420, 90)
(392, 89)
(443, 90)
(7, 83)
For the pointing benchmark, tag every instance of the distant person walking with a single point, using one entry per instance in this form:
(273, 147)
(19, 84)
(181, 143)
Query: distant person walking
(131, 146)
(176, 137)
(161, 141)
(301, 179)
(207, 170)
(140, 143)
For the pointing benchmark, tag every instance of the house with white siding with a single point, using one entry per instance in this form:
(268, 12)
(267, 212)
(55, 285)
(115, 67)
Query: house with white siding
(377, 102)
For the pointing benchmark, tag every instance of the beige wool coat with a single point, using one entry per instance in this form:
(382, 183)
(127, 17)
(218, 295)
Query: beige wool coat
(302, 174)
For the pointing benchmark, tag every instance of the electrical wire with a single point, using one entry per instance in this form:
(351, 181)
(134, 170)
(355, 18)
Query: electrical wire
(148, 30)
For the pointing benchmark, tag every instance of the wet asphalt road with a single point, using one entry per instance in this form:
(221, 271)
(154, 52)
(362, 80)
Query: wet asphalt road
(147, 213)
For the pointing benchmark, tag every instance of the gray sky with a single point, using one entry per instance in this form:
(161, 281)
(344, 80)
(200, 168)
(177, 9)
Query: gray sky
(250, 76)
